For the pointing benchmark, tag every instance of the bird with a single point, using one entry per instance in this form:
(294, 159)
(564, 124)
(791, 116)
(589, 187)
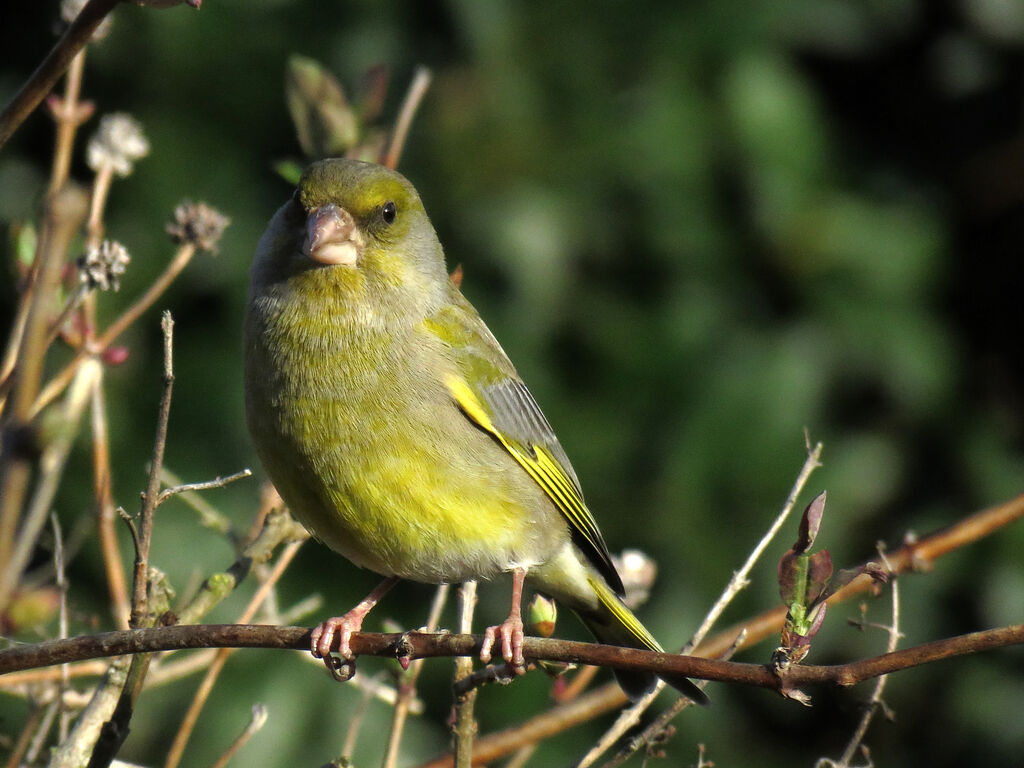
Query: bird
(397, 430)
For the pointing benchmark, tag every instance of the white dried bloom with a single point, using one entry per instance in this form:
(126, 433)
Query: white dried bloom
(638, 572)
(101, 268)
(117, 144)
(199, 224)
(69, 10)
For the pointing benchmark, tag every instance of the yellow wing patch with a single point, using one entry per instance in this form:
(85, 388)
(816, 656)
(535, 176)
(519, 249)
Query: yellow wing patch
(540, 464)
(623, 614)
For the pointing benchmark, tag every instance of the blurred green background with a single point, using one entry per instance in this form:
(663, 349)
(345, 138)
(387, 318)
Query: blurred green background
(697, 228)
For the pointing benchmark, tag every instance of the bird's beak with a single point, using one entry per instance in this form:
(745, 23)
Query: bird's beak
(332, 236)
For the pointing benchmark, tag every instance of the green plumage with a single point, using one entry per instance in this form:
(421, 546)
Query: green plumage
(390, 419)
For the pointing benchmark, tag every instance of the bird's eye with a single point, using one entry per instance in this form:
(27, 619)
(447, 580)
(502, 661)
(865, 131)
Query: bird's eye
(388, 212)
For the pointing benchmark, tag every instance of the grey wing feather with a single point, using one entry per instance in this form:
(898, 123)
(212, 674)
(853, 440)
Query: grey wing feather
(517, 414)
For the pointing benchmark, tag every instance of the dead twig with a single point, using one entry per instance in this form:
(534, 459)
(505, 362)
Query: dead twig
(464, 728)
(53, 66)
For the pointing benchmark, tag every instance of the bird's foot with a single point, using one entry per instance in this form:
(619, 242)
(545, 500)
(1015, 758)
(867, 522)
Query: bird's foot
(512, 637)
(342, 667)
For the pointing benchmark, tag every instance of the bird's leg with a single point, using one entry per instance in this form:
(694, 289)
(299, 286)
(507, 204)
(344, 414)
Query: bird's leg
(511, 629)
(323, 635)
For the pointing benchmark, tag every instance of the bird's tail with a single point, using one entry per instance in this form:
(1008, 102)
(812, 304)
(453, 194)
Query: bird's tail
(614, 624)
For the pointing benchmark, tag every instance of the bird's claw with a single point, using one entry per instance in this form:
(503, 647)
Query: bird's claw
(343, 667)
(512, 637)
(340, 669)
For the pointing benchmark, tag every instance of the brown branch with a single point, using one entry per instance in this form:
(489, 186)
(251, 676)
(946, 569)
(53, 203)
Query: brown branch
(422, 645)
(188, 723)
(105, 510)
(140, 599)
(917, 555)
(53, 66)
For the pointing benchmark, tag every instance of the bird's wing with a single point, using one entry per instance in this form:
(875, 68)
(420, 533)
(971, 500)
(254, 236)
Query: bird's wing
(490, 393)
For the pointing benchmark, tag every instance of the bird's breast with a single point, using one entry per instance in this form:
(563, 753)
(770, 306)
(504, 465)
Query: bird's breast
(365, 444)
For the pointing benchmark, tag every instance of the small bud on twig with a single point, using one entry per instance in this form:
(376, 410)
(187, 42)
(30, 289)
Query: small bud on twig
(117, 144)
(100, 268)
(199, 224)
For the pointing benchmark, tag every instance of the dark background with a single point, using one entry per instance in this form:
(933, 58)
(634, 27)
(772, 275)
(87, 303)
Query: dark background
(697, 228)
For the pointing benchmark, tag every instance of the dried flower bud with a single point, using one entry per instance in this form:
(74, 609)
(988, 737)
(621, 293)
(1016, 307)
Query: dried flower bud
(69, 10)
(101, 268)
(199, 224)
(117, 144)
(638, 572)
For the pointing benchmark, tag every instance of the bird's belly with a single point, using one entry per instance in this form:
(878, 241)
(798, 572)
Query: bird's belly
(420, 514)
(377, 460)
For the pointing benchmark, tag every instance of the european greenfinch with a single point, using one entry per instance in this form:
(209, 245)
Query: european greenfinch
(395, 427)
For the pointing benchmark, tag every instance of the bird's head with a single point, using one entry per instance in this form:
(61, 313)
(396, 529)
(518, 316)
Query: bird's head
(357, 226)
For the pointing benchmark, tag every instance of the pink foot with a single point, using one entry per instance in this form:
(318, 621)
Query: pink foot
(512, 636)
(322, 637)
(511, 631)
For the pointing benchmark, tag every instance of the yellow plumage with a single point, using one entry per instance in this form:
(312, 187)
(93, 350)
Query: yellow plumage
(392, 422)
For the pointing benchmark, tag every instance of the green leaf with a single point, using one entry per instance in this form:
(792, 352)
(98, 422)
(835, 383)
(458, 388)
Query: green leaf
(325, 123)
(289, 170)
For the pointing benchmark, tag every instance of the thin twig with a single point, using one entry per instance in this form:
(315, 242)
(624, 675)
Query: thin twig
(407, 684)
(464, 728)
(72, 304)
(740, 579)
(57, 384)
(32, 722)
(630, 716)
(140, 583)
(209, 516)
(657, 729)
(355, 723)
(875, 702)
(54, 65)
(188, 723)
(62, 621)
(912, 556)
(36, 745)
(417, 89)
(97, 203)
(259, 719)
(80, 744)
(217, 482)
(117, 587)
(62, 217)
(69, 115)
